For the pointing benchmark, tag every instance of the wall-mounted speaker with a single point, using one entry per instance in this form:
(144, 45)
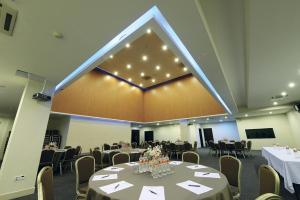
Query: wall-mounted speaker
(297, 107)
(8, 18)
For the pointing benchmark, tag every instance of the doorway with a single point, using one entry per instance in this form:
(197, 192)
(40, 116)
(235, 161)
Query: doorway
(135, 136)
(149, 136)
(208, 135)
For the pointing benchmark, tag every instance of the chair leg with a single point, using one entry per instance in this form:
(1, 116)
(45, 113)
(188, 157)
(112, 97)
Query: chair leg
(71, 164)
(60, 169)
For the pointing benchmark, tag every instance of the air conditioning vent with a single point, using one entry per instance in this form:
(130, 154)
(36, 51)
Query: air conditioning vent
(8, 18)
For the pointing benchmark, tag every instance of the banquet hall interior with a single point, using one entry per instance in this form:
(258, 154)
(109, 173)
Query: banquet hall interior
(151, 99)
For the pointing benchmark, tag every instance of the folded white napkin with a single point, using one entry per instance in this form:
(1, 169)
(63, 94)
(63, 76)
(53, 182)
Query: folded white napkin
(114, 187)
(132, 163)
(153, 193)
(175, 163)
(194, 187)
(113, 169)
(207, 175)
(105, 177)
(196, 166)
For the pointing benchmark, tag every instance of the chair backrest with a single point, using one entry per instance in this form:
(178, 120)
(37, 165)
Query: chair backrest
(231, 167)
(268, 196)
(78, 150)
(222, 145)
(195, 144)
(106, 147)
(67, 147)
(269, 181)
(85, 168)
(190, 156)
(133, 145)
(249, 145)
(114, 147)
(111, 155)
(98, 157)
(69, 154)
(172, 146)
(47, 156)
(45, 184)
(238, 146)
(120, 158)
(187, 146)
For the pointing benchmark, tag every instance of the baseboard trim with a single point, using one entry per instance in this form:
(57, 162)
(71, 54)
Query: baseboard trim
(17, 194)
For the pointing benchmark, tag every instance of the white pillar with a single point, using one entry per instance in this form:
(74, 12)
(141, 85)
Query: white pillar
(25, 144)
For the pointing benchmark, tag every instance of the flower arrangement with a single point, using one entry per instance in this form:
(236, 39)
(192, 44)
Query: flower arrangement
(153, 153)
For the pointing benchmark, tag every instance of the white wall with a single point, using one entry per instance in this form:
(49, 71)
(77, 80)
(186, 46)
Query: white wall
(223, 130)
(294, 121)
(90, 133)
(6, 123)
(62, 125)
(279, 123)
(168, 132)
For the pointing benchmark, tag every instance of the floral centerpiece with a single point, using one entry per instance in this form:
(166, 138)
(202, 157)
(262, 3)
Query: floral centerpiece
(153, 153)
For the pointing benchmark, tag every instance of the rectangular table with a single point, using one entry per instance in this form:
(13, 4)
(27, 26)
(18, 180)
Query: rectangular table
(286, 163)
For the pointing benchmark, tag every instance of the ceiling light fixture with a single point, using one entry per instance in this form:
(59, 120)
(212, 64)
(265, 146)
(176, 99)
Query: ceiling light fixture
(270, 112)
(246, 115)
(284, 94)
(275, 103)
(149, 30)
(141, 84)
(144, 58)
(157, 124)
(116, 73)
(185, 69)
(291, 85)
(111, 56)
(194, 120)
(225, 117)
(142, 74)
(207, 119)
(130, 79)
(127, 45)
(164, 47)
(168, 75)
(153, 80)
(157, 67)
(128, 66)
(176, 60)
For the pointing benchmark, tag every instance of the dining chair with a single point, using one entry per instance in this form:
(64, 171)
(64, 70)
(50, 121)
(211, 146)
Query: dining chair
(113, 147)
(85, 168)
(67, 160)
(45, 184)
(98, 159)
(46, 158)
(231, 167)
(111, 155)
(78, 150)
(195, 145)
(133, 145)
(268, 196)
(179, 149)
(249, 146)
(222, 146)
(269, 181)
(172, 149)
(106, 146)
(239, 148)
(190, 156)
(120, 158)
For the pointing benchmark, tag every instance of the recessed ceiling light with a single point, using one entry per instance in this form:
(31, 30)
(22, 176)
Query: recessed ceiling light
(176, 60)
(116, 73)
(157, 67)
(153, 80)
(270, 112)
(168, 75)
(291, 85)
(142, 74)
(164, 47)
(141, 84)
(226, 117)
(128, 66)
(246, 115)
(275, 103)
(283, 94)
(149, 31)
(111, 56)
(157, 124)
(207, 119)
(144, 58)
(194, 120)
(130, 79)
(127, 45)
(185, 69)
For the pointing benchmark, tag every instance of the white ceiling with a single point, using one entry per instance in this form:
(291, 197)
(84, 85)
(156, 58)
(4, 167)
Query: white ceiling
(247, 57)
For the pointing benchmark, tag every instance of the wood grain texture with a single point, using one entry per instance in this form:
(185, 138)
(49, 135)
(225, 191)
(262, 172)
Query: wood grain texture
(181, 99)
(99, 95)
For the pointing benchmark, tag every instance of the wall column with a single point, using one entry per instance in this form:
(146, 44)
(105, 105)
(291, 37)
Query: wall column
(25, 144)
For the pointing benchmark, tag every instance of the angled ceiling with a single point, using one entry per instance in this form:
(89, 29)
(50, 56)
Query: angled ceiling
(159, 65)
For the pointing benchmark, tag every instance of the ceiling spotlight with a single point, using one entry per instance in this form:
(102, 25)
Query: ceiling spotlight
(111, 56)
(207, 119)
(225, 117)
(153, 80)
(129, 79)
(284, 94)
(144, 58)
(157, 67)
(275, 103)
(164, 47)
(116, 73)
(246, 115)
(194, 120)
(185, 69)
(142, 74)
(168, 75)
(157, 124)
(270, 112)
(176, 60)
(291, 85)
(141, 84)
(128, 66)
(127, 45)
(149, 31)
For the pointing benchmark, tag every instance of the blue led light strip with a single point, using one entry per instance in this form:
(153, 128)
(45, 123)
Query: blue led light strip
(160, 19)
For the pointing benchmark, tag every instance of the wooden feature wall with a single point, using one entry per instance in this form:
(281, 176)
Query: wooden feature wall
(99, 95)
(181, 99)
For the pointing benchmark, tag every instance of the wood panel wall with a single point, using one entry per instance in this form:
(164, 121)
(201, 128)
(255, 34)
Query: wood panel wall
(99, 95)
(181, 99)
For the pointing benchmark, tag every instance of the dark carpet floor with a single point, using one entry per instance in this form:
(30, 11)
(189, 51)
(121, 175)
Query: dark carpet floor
(64, 186)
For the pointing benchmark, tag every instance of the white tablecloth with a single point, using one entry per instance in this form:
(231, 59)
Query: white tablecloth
(286, 163)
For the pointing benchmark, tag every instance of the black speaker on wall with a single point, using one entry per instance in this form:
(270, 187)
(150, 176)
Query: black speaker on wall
(297, 107)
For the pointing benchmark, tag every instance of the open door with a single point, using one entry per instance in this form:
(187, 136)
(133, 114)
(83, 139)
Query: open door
(135, 136)
(149, 136)
(208, 135)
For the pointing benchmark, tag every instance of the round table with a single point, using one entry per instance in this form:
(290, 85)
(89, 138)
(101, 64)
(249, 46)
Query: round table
(220, 191)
